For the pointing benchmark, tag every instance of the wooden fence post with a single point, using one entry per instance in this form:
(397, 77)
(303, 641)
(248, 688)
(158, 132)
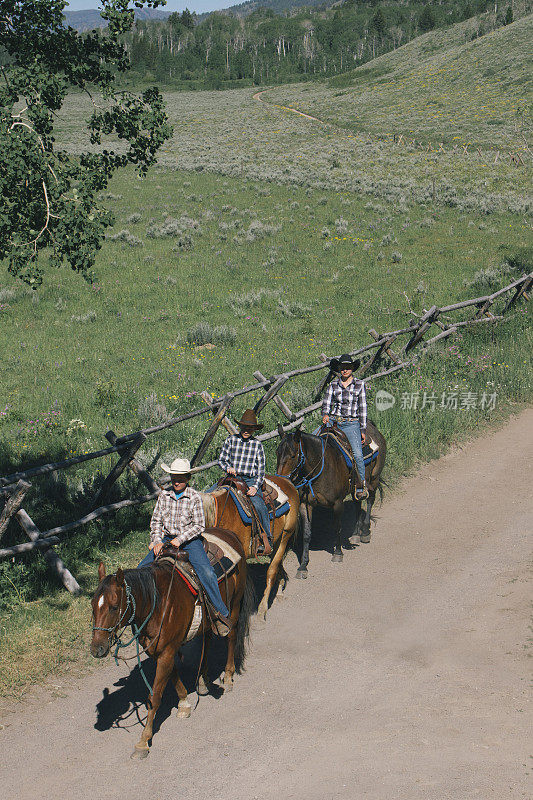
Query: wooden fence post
(226, 422)
(391, 354)
(425, 322)
(206, 441)
(32, 532)
(13, 503)
(119, 467)
(136, 467)
(270, 393)
(283, 407)
(521, 291)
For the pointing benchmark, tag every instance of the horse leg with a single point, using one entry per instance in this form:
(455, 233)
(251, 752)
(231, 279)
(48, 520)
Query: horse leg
(184, 707)
(306, 513)
(365, 525)
(165, 665)
(273, 571)
(204, 684)
(337, 514)
(229, 670)
(355, 537)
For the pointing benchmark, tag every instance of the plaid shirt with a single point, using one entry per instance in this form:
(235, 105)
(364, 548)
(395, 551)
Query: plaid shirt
(246, 456)
(181, 519)
(346, 401)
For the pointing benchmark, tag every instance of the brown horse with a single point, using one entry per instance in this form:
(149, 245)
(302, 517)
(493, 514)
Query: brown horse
(157, 597)
(319, 470)
(222, 512)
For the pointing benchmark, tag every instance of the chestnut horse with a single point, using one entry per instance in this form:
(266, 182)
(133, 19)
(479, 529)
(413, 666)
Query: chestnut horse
(224, 514)
(319, 470)
(156, 597)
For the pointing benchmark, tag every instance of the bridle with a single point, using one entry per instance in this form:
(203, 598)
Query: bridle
(305, 482)
(130, 600)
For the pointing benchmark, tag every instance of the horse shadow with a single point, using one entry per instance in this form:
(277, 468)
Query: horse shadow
(323, 530)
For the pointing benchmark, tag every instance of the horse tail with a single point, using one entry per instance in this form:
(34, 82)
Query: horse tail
(248, 606)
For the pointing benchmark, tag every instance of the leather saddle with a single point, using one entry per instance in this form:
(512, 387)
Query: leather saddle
(213, 551)
(260, 542)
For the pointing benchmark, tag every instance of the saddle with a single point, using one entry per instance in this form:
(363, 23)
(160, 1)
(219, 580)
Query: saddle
(260, 540)
(224, 551)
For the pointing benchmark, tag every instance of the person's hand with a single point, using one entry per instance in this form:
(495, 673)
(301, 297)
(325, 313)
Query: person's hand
(363, 437)
(157, 547)
(231, 471)
(325, 419)
(175, 542)
(252, 490)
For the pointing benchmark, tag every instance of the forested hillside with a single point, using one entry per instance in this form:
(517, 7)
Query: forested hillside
(227, 49)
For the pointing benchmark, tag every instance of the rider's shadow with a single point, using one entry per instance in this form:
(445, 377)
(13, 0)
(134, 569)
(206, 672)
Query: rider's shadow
(323, 529)
(124, 706)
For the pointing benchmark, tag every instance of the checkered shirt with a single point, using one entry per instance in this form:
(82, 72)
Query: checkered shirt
(246, 456)
(348, 402)
(181, 519)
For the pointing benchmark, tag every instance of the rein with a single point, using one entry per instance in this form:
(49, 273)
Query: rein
(116, 638)
(306, 481)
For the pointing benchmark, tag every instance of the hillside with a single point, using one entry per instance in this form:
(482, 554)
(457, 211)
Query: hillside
(89, 19)
(225, 50)
(441, 87)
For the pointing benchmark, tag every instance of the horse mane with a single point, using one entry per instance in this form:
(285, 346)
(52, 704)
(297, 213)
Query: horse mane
(210, 508)
(142, 584)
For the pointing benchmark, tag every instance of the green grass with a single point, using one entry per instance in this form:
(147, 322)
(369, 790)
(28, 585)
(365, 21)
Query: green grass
(276, 239)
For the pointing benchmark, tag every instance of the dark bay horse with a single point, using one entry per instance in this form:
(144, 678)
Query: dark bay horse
(220, 510)
(317, 466)
(158, 597)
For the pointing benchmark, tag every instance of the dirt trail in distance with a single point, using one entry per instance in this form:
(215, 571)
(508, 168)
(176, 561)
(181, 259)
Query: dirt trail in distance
(400, 673)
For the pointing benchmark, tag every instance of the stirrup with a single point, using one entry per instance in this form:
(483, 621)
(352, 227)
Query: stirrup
(361, 493)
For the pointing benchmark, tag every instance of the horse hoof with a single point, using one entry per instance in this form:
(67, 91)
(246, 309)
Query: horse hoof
(228, 686)
(140, 752)
(301, 574)
(355, 539)
(365, 538)
(337, 557)
(203, 688)
(184, 712)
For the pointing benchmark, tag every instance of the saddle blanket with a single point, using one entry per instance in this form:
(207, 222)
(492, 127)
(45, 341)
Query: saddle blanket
(370, 450)
(246, 518)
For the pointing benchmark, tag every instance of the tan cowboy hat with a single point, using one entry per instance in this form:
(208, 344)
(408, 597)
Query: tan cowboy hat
(249, 420)
(180, 466)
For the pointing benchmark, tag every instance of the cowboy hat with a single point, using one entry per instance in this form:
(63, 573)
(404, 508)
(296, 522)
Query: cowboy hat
(249, 420)
(180, 466)
(344, 362)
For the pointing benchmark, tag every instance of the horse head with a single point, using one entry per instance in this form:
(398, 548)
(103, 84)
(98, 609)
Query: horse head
(288, 452)
(108, 604)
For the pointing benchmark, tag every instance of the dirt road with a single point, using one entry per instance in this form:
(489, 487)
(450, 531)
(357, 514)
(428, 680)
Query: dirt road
(401, 673)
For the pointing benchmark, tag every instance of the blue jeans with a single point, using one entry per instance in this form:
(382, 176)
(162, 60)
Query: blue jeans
(353, 434)
(200, 563)
(259, 504)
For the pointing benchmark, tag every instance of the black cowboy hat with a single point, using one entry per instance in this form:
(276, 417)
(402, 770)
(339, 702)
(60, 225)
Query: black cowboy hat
(344, 362)
(249, 420)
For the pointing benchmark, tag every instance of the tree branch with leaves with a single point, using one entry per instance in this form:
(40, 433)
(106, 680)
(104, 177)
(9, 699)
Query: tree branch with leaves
(50, 211)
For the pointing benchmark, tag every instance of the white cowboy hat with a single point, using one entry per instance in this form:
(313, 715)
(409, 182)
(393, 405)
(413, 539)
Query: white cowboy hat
(180, 466)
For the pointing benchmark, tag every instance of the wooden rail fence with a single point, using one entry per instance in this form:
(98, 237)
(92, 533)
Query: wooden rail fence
(378, 353)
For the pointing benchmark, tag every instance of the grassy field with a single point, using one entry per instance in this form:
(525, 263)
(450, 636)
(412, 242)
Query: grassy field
(270, 239)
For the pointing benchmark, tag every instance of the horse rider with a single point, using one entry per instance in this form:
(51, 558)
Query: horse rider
(243, 456)
(345, 403)
(179, 520)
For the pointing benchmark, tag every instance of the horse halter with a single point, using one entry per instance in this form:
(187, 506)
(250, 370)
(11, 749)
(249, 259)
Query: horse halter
(294, 472)
(114, 628)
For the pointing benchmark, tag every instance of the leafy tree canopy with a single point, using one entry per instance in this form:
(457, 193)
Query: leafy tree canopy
(49, 198)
